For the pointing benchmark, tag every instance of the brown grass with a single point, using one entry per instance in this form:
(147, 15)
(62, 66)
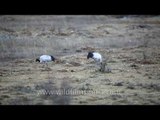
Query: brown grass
(131, 72)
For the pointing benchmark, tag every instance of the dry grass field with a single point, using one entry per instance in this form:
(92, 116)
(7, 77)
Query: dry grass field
(130, 44)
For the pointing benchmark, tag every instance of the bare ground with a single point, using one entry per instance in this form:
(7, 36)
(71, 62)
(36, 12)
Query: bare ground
(129, 43)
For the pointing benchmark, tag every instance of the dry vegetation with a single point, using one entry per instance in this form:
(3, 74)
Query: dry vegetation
(130, 45)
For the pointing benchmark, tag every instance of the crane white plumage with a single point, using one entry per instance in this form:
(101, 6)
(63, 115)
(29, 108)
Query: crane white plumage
(45, 58)
(96, 56)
